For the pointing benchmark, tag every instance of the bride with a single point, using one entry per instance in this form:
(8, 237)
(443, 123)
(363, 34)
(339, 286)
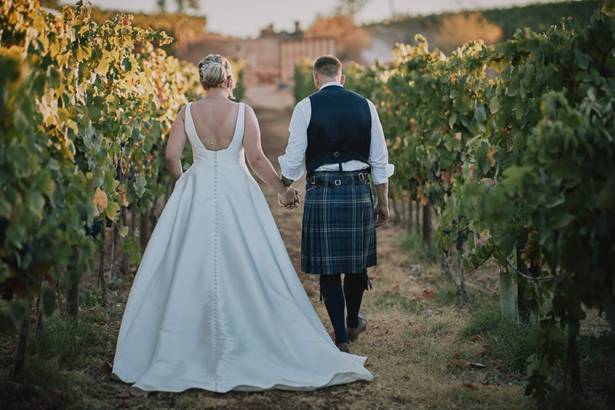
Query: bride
(216, 303)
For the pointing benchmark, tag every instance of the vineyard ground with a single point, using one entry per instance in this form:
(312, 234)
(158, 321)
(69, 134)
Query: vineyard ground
(424, 349)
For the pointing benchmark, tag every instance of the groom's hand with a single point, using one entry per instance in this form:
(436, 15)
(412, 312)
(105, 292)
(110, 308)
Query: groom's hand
(382, 213)
(289, 199)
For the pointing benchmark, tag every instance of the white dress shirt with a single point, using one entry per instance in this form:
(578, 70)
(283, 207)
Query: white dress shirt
(291, 163)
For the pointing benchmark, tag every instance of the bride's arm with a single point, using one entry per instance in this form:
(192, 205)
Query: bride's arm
(257, 159)
(175, 145)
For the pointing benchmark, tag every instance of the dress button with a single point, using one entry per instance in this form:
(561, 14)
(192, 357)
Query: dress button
(336, 154)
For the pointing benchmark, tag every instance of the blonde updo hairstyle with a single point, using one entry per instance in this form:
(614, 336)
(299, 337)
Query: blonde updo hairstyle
(215, 71)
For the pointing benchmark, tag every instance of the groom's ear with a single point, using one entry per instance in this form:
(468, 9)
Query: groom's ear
(342, 79)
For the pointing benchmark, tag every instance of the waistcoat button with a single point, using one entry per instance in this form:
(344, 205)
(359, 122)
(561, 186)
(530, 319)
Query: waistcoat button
(336, 154)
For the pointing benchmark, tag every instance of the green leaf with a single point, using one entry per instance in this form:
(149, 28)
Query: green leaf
(515, 177)
(452, 120)
(582, 60)
(606, 197)
(140, 184)
(562, 220)
(494, 105)
(479, 113)
(112, 211)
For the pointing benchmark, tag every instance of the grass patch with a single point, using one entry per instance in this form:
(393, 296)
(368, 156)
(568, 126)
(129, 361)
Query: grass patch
(393, 300)
(447, 294)
(510, 343)
(413, 244)
(67, 342)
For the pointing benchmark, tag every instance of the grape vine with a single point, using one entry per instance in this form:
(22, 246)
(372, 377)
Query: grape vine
(512, 146)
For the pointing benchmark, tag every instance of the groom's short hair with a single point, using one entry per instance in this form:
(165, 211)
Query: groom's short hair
(328, 65)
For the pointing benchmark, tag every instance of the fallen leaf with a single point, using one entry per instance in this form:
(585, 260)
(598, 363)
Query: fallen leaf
(471, 386)
(429, 294)
(460, 363)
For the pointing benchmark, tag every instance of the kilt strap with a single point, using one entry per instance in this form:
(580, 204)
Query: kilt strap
(338, 179)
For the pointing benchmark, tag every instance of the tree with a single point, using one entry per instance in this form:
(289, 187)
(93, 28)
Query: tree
(459, 28)
(350, 7)
(350, 39)
(181, 5)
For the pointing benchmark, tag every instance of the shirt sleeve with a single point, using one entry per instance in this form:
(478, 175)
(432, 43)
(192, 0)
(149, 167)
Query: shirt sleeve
(291, 163)
(378, 153)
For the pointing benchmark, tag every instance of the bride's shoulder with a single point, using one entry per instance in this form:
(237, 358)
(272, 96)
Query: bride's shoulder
(249, 111)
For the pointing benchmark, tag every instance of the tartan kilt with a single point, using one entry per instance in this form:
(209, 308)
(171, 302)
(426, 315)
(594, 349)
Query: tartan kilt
(338, 233)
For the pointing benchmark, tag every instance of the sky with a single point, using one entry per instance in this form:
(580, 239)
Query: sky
(246, 17)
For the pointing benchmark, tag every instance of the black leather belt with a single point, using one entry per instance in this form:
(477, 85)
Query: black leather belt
(337, 180)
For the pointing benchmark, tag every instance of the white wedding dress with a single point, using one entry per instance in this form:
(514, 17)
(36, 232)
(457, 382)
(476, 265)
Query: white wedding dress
(216, 303)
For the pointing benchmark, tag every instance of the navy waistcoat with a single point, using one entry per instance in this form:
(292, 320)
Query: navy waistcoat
(339, 129)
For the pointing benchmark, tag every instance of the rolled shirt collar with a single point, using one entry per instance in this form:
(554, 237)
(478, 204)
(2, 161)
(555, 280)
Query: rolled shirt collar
(330, 83)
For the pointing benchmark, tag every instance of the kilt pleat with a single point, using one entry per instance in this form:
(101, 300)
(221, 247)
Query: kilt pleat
(339, 234)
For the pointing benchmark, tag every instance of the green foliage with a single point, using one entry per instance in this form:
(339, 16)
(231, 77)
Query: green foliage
(240, 88)
(85, 108)
(304, 84)
(67, 341)
(513, 147)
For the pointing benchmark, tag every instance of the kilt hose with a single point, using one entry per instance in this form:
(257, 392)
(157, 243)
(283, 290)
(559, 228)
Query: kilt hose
(338, 232)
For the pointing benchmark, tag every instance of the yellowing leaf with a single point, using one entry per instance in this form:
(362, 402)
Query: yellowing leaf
(99, 201)
(123, 231)
(122, 195)
(83, 53)
(113, 209)
(103, 64)
(490, 155)
(48, 107)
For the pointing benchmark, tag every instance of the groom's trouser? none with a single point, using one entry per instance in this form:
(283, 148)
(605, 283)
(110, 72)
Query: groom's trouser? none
(337, 297)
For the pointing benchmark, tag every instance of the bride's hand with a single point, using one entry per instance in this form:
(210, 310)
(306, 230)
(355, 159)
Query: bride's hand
(289, 199)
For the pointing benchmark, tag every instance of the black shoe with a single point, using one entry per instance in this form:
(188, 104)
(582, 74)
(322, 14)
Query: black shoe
(344, 347)
(354, 332)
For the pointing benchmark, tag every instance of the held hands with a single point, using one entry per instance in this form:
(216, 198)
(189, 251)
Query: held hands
(382, 213)
(289, 198)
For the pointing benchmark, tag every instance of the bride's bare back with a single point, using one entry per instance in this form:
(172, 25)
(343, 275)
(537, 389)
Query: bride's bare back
(215, 120)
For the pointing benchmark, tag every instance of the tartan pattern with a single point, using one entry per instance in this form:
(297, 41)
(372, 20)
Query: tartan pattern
(339, 233)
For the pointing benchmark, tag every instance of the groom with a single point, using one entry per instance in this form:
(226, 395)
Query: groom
(337, 133)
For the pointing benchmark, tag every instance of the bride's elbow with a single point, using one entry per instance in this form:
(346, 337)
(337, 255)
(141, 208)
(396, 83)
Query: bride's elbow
(255, 160)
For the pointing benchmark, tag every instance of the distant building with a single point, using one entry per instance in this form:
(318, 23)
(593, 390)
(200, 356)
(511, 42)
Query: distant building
(292, 51)
(270, 58)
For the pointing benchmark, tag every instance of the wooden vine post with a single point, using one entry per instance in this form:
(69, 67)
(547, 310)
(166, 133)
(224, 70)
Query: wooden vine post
(508, 295)
(427, 228)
